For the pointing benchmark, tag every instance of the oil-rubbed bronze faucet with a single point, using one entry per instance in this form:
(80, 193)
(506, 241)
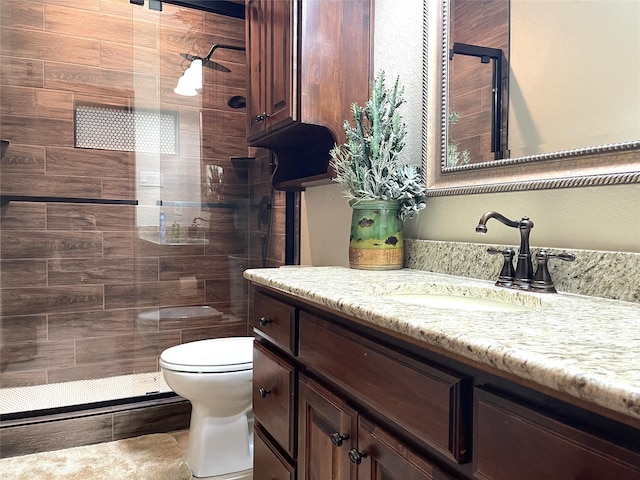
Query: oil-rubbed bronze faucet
(524, 266)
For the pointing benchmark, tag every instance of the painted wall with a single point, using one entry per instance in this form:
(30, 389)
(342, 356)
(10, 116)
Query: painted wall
(598, 218)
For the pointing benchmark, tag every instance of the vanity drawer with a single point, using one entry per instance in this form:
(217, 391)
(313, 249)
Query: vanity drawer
(268, 463)
(512, 441)
(276, 321)
(430, 403)
(273, 396)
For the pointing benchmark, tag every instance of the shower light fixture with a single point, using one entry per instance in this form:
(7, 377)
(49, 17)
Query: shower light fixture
(191, 81)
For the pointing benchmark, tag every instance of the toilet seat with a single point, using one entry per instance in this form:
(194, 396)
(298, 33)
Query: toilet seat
(218, 355)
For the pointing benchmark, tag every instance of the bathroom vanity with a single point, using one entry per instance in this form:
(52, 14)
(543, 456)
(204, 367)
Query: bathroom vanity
(413, 375)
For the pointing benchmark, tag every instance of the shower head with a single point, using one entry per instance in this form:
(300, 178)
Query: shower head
(207, 62)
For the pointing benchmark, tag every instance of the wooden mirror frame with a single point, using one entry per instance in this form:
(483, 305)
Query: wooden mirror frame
(601, 165)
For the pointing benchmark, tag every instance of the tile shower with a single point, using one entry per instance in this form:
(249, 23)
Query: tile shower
(92, 287)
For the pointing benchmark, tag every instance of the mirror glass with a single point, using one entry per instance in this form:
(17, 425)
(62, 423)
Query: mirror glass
(544, 93)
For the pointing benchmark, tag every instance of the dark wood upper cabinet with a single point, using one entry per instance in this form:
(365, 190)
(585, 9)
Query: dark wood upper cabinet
(308, 62)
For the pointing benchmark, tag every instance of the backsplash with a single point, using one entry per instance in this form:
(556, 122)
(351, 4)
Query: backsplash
(612, 275)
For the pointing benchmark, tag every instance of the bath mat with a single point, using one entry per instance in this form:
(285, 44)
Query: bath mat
(150, 457)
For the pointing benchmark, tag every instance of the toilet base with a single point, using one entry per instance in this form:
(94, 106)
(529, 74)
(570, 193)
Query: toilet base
(219, 446)
(244, 475)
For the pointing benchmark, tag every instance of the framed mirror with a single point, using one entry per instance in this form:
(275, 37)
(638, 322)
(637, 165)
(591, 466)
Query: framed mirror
(523, 95)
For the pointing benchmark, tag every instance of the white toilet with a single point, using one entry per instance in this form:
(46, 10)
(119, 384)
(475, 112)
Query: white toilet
(216, 377)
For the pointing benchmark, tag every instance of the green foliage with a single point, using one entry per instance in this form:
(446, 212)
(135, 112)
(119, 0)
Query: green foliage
(367, 164)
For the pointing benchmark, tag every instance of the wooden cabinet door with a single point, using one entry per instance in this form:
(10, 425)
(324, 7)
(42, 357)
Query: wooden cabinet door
(380, 456)
(326, 434)
(268, 464)
(280, 54)
(256, 41)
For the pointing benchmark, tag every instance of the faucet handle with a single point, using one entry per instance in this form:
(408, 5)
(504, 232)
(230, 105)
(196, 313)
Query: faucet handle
(542, 279)
(508, 273)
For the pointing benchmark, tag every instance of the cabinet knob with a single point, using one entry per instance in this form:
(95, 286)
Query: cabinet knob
(263, 392)
(264, 321)
(338, 438)
(356, 457)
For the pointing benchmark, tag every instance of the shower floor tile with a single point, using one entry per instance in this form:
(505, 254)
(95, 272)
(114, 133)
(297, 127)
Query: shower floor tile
(56, 395)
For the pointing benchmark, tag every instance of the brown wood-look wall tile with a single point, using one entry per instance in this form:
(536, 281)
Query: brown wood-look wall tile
(35, 300)
(88, 80)
(153, 294)
(27, 378)
(218, 331)
(111, 368)
(173, 322)
(124, 347)
(25, 72)
(23, 329)
(119, 188)
(86, 24)
(228, 123)
(97, 323)
(41, 185)
(37, 130)
(54, 104)
(99, 271)
(217, 293)
(19, 357)
(118, 244)
(23, 160)
(175, 268)
(27, 15)
(23, 216)
(50, 244)
(23, 273)
(41, 45)
(216, 146)
(17, 101)
(75, 216)
(44, 437)
(228, 27)
(83, 162)
(151, 420)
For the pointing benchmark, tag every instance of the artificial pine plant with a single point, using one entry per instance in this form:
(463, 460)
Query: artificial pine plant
(367, 164)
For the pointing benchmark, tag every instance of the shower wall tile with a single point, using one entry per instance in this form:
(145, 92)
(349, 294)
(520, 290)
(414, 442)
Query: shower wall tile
(119, 188)
(88, 80)
(54, 104)
(233, 329)
(76, 216)
(100, 271)
(118, 244)
(23, 329)
(50, 244)
(144, 248)
(90, 371)
(123, 347)
(200, 267)
(17, 101)
(97, 323)
(30, 356)
(40, 185)
(84, 162)
(23, 160)
(28, 15)
(26, 378)
(38, 130)
(24, 72)
(23, 216)
(17, 42)
(34, 300)
(176, 293)
(23, 273)
(85, 22)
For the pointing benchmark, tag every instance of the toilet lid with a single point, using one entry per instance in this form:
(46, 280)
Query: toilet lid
(217, 355)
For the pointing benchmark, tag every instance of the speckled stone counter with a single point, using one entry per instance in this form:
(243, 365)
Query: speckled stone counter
(586, 347)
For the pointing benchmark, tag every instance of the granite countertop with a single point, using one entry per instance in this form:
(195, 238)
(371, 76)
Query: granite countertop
(586, 347)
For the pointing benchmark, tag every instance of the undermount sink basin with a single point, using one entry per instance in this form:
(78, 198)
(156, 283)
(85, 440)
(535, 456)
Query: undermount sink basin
(457, 302)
